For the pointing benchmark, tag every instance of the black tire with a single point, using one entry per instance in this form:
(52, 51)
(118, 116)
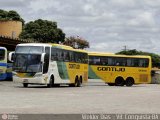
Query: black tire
(79, 84)
(25, 85)
(111, 84)
(129, 82)
(119, 81)
(76, 82)
(51, 83)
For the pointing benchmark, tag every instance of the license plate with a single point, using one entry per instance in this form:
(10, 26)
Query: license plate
(25, 80)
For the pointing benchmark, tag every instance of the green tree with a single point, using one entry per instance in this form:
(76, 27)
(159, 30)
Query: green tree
(10, 15)
(3, 14)
(155, 57)
(76, 42)
(43, 31)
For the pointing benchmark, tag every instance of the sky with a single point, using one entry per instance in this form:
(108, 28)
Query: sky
(108, 25)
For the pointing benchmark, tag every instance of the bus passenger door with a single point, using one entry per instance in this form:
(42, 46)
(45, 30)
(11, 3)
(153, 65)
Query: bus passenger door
(46, 60)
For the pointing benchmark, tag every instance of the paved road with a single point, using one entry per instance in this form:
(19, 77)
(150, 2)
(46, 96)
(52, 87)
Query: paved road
(96, 97)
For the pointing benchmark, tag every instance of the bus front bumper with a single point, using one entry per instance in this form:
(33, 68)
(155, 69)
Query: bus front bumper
(34, 80)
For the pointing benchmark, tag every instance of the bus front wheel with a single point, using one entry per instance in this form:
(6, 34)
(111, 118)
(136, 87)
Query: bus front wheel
(50, 84)
(25, 85)
(129, 82)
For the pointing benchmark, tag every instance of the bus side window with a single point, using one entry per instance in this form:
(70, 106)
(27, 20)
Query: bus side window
(146, 63)
(104, 61)
(66, 56)
(78, 56)
(54, 54)
(71, 56)
(2, 54)
(143, 63)
(91, 60)
(121, 61)
(111, 61)
(62, 55)
(46, 60)
(85, 58)
(129, 62)
(96, 61)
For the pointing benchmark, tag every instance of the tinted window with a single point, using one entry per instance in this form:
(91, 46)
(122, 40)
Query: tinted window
(118, 61)
(2, 54)
(54, 54)
(137, 62)
(68, 56)
(143, 62)
(94, 60)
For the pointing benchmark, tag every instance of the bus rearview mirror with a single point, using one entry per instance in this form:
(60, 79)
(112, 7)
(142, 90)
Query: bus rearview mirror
(43, 57)
(11, 56)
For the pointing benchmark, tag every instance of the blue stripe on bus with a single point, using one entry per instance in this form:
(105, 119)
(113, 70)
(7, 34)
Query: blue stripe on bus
(3, 76)
(9, 75)
(3, 64)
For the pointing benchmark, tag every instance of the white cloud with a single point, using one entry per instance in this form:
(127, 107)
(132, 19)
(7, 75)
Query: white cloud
(123, 3)
(143, 18)
(37, 5)
(107, 24)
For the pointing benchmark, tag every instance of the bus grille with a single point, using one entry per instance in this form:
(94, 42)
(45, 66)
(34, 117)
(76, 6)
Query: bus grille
(143, 78)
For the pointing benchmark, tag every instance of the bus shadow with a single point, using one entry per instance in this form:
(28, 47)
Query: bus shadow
(134, 86)
(37, 87)
(8, 80)
(87, 85)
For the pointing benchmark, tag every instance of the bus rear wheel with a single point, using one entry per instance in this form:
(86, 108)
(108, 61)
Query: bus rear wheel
(25, 85)
(119, 81)
(78, 82)
(129, 82)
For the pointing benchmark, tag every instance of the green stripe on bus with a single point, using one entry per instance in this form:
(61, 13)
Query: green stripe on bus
(62, 70)
(92, 74)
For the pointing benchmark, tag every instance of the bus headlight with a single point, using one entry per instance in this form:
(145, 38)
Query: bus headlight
(38, 75)
(14, 73)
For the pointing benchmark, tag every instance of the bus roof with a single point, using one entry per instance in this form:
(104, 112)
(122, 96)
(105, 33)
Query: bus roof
(54, 45)
(116, 55)
(3, 48)
(33, 44)
(68, 48)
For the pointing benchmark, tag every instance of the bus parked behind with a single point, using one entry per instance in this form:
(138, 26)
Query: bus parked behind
(5, 66)
(120, 70)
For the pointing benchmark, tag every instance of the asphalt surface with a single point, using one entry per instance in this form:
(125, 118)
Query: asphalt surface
(95, 97)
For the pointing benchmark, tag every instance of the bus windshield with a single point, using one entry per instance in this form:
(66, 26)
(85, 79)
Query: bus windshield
(30, 63)
(2, 54)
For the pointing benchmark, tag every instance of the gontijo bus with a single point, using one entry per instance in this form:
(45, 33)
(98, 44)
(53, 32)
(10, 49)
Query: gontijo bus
(120, 70)
(5, 67)
(49, 64)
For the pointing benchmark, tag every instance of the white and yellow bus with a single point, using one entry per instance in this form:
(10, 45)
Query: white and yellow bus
(49, 64)
(119, 70)
(5, 66)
